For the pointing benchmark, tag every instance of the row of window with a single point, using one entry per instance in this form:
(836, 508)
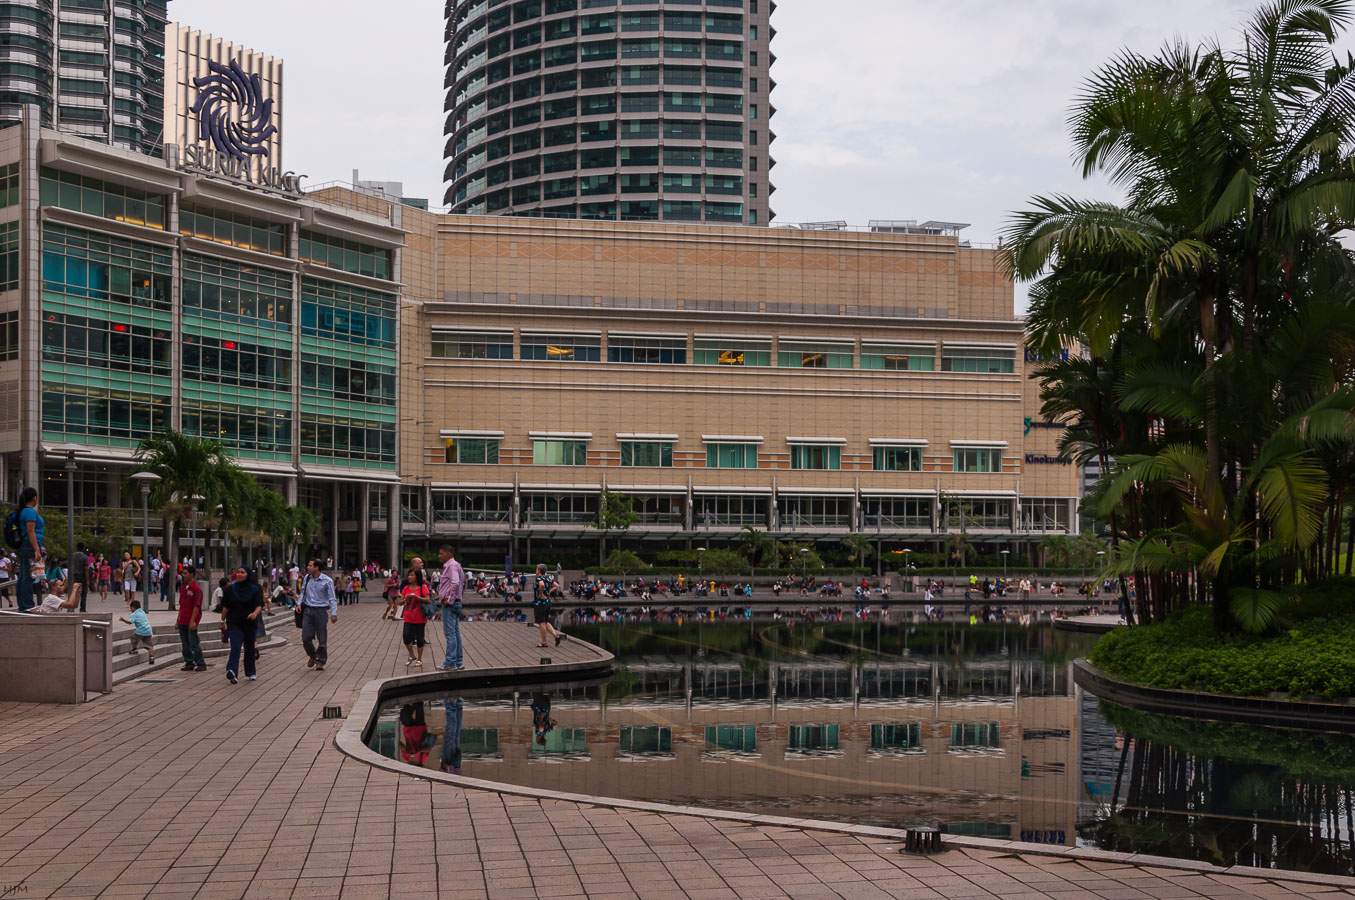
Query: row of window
(99, 343)
(81, 193)
(341, 312)
(602, 51)
(102, 267)
(352, 379)
(234, 229)
(345, 255)
(720, 455)
(231, 291)
(794, 353)
(609, 78)
(611, 23)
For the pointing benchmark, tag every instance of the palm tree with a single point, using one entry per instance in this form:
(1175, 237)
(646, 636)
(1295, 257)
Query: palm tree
(187, 466)
(859, 546)
(756, 545)
(1238, 174)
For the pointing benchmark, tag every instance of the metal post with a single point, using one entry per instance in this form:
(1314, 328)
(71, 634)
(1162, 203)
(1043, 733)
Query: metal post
(70, 517)
(145, 546)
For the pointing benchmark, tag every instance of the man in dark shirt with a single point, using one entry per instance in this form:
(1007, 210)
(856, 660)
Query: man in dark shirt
(79, 574)
(190, 614)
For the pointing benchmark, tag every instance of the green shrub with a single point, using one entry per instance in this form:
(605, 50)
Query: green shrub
(1314, 657)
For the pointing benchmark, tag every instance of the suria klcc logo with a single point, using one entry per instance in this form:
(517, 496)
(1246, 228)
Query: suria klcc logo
(235, 126)
(232, 111)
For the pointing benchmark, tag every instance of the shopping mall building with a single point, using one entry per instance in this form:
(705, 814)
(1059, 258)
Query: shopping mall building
(491, 378)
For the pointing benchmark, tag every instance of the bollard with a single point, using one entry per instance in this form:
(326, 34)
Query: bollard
(922, 840)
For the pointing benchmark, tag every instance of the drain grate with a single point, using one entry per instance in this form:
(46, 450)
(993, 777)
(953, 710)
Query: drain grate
(158, 680)
(332, 712)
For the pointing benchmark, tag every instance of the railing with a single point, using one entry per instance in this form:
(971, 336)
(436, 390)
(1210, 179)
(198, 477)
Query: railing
(816, 520)
(660, 518)
(1000, 523)
(731, 520)
(558, 518)
(898, 523)
(473, 518)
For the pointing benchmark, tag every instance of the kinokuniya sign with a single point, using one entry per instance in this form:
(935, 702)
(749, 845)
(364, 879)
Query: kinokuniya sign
(234, 127)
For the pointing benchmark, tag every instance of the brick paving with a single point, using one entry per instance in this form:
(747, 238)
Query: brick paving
(206, 790)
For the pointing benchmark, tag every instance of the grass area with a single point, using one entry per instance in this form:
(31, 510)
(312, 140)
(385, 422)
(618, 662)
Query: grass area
(1311, 653)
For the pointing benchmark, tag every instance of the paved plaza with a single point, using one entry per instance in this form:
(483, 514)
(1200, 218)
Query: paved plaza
(193, 787)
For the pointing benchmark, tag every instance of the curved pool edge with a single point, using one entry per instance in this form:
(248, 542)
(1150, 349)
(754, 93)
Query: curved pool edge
(1325, 717)
(351, 741)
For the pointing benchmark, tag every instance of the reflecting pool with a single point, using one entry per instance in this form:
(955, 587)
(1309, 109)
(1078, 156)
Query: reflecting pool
(979, 729)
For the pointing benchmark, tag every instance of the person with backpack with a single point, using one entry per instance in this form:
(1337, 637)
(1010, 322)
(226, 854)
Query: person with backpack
(541, 606)
(24, 532)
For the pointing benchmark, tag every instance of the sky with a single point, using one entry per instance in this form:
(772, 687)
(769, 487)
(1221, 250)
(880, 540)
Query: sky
(886, 109)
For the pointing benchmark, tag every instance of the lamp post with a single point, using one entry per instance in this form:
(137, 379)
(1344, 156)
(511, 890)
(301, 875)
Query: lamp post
(701, 563)
(804, 568)
(145, 479)
(193, 539)
(69, 450)
(1004, 564)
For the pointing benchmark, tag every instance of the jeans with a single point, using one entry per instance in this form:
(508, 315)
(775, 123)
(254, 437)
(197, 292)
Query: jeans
(451, 630)
(25, 593)
(192, 646)
(451, 734)
(241, 639)
(315, 632)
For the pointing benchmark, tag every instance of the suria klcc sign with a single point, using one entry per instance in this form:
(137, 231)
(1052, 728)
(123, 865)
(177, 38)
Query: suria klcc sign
(235, 123)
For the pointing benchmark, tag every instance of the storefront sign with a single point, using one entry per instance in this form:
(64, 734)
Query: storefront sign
(1033, 423)
(234, 128)
(1043, 459)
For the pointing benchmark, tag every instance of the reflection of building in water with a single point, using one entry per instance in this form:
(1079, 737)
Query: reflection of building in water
(1005, 769)
(1101, 754)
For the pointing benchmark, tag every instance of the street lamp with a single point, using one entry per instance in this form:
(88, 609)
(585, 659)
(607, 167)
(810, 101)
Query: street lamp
(804, 567)
(1004, 564)
(145, 479)
(70, 450)
(701, 563)
(193, 502)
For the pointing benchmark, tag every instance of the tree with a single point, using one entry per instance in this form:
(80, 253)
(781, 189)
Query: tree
(616, 512)
(859, 546)
(301, 526)
(756, 545)
(1214, 303)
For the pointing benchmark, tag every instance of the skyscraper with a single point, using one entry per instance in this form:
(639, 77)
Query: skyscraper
(658, 109)
(96, 68)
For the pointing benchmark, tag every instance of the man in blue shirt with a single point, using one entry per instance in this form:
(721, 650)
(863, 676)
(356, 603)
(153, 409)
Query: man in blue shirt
(319, 608)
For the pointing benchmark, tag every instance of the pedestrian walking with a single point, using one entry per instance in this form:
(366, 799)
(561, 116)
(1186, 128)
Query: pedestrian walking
(241, 606)
(79, 574)
(187, 621)
(130, 569)
(142, 634)
(392, 596)
(414, 598)
(541, 606)
(451, 587)
(319, 609)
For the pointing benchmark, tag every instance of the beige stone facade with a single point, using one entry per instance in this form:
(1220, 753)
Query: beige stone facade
(516, 332)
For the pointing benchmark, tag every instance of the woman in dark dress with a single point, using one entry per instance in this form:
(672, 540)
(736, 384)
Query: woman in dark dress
(241, 605)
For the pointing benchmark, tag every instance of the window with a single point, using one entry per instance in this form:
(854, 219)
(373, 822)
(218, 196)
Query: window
(978, 459)
(732, 738)
(235, 230)
(473, 451)
(349, 256)
(723, 511)
(975, 734)
(99, 198)
(561, 347)
(814, 355)
(9, 256)
(458, 506)
(559, 453)
(733, 352)
(647, 739)
(899, 357)
(345, 379)
(812, 737)
(82, 264)
(9, 184)
(233, 292)
(913, 513)
(801, 512)
(491, 344)
(635, 349)
(976, 512)
(575, 509)
(731, 456)
(682, 210)
(816, 456)
(1044, 514)
(988, 360)
(9, 335)
(649, 454)
(722, 158)
(903, 736)
(244, 364)
(898, 459)
(342, 312)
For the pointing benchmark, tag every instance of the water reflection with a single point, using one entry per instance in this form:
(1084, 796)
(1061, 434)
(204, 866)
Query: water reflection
(978, 739)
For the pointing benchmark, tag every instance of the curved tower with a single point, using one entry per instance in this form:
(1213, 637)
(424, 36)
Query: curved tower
(610, 109)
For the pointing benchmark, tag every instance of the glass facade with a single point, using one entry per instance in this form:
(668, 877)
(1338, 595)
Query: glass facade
(472, 345)
(812, 355)
(345, 255)
(81, 193)
(106, 376)
(233, 229)
(732, 352)
(348, 414)
(994, 361)
(900, 357)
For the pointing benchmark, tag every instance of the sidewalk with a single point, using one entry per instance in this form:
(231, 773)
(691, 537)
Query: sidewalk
(197, 788)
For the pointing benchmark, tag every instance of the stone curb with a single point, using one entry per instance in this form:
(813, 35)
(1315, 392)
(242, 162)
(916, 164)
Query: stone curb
(349, 741)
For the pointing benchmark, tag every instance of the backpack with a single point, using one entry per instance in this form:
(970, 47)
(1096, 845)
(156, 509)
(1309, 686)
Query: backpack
(13, 535)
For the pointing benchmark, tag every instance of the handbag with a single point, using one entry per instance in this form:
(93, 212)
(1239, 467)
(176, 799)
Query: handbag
(426, 607)
(296, 610)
